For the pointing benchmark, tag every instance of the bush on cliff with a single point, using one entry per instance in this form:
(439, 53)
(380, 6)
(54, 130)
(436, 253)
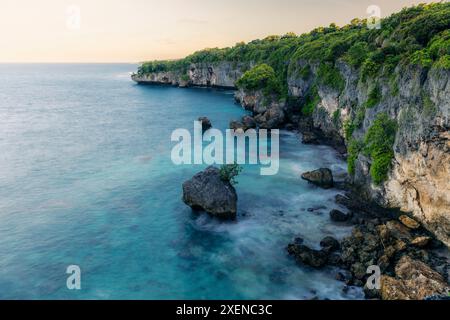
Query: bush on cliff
(378, 143)
(261, 77)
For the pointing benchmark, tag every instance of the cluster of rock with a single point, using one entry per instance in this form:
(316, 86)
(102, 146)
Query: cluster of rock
(246, 122)
(268, 112)
(400, 247)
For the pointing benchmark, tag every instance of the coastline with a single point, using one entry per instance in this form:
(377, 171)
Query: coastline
(391, 242)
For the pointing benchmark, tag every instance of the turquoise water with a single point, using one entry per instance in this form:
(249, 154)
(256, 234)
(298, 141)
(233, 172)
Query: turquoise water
(86, 179)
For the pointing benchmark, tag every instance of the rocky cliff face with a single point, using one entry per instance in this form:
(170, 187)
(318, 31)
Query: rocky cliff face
(418, 99)
(218, 75)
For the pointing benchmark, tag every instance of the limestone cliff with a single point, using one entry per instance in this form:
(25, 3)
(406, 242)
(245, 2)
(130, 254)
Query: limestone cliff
(419, 101)
(215, 75)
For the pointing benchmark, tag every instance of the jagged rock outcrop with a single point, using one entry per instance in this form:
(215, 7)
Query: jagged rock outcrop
(208, 192)
(268, 112)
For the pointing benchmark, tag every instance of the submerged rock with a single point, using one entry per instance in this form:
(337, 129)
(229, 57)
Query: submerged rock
(246, 123)
(330, 244)
(339, 216)
(206, 123)
(236, 125)
(308, 256)
(208, 192)
(322, 177)
(309, 138)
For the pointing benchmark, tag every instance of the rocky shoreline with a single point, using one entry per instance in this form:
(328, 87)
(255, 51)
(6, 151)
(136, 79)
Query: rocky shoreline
(404, 252)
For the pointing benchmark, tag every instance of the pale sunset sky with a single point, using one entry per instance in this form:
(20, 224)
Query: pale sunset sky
(138, 30)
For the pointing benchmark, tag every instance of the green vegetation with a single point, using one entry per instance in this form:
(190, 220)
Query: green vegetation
(305, 72)
(329, 76)
(229, 172)
(378, 143)
(261, 77)
(429, 108)
(311, 101)
(336, 117)
(415, 35)
(374, 97)
(354, 148)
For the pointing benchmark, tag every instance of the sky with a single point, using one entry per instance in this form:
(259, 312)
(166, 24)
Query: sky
(139, 30)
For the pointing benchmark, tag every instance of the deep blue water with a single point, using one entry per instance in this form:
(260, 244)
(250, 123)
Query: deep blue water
(86, 178)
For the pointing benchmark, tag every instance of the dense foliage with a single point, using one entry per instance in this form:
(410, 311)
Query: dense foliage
(414, 35)
(377, 144)
(261, 77)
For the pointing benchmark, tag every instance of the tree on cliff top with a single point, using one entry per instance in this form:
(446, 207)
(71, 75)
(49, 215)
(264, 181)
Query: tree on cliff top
(261, 77)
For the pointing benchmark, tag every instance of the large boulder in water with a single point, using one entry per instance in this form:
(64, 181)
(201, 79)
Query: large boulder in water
(208, 192)
(322, 177)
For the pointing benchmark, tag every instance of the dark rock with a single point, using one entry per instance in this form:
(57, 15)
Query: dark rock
(441, 297)
(344, 276)
(339, 216)
(308, 256)
(372, 293)
(248, 122)
(322, 177)
(298, 241)
(236, 125)
(208, 192)
(330, 244)
(289, 127)
(310, 138)
(206, 123)
(334, 259)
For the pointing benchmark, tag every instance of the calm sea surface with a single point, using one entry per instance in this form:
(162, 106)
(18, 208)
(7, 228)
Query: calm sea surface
(86, 179)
